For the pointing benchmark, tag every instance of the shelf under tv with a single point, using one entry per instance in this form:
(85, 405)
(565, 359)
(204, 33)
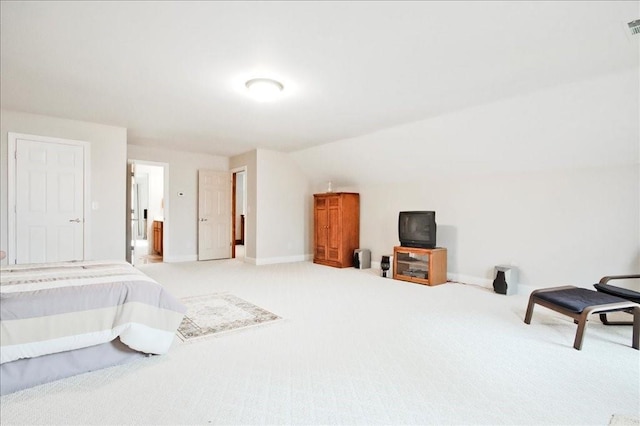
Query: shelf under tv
(420, 265)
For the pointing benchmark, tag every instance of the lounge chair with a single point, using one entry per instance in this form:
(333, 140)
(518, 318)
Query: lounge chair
(579, 303)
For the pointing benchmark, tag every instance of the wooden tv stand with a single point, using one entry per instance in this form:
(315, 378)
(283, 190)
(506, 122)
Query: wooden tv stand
(419, 265)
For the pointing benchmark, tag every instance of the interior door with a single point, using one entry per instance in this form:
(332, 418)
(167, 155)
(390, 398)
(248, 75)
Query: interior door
(49, 201)
(214, 215)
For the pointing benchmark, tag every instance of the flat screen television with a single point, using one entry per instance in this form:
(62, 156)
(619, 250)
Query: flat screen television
(417, 229)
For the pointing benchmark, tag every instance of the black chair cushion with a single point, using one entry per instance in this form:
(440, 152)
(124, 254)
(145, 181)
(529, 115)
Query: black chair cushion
(577, 299)
(625, 293)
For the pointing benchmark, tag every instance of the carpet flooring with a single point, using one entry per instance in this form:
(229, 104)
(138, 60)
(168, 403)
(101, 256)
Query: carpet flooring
(355, 349)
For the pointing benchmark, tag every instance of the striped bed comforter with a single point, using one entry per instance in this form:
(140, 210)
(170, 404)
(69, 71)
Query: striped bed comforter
(56, 307)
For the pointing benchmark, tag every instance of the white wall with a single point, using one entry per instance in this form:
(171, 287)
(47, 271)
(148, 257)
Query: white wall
(557, 227)
(107, 176)
(549, 181)
(181, 223)
(278, 212)
(284, 203)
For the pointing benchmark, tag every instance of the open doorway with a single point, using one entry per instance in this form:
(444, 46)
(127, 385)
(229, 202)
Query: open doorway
(239, 209)
(147, 213)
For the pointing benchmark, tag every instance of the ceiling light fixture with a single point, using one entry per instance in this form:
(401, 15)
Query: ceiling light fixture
(264, 89)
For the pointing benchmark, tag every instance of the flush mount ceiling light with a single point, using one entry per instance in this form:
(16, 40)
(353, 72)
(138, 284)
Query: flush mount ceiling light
(264, 89)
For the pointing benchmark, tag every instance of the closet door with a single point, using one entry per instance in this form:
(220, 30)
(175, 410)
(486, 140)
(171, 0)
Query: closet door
(49, 202)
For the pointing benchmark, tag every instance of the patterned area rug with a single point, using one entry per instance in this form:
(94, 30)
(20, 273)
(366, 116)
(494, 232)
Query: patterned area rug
(217, 313)
(621, 420)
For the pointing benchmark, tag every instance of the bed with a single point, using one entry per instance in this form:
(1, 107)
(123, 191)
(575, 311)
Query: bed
(65, 318)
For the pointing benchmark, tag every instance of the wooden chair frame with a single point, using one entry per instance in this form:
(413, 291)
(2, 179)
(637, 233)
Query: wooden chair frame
(581, 318)
(605, 280)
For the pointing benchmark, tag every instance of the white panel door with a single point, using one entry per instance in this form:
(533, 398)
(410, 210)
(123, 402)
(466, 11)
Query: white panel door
(214, 215)
(49, 201)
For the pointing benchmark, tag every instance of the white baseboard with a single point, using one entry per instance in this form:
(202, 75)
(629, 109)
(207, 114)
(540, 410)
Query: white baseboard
(375, 265)
(469, 279)
(183, 258)
(252, 260)
(486, 283)
(285, 259)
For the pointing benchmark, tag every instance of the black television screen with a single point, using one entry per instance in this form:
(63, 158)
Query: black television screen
(417, 229)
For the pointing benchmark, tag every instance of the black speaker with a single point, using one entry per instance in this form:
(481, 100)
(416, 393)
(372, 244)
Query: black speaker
(500, 283)
(385, 264)
(506, 279)
(362, 258)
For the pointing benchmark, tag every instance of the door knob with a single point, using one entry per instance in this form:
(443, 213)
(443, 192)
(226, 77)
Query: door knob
(76, 220)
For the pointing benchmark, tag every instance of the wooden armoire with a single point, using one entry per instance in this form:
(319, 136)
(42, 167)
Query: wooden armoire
(336, 228)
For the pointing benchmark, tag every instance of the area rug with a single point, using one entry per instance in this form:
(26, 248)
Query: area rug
(219, 313)
(622, 420)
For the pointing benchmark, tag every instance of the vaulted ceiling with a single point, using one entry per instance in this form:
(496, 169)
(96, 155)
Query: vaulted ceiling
(173, 73)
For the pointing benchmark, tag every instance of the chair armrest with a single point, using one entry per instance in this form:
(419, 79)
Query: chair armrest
(625, 293)
(608, 278)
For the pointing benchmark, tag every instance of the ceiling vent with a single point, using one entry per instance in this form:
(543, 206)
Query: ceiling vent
(634, 27)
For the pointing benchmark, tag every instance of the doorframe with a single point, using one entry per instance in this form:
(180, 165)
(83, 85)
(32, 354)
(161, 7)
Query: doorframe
(234, 171)
(12, 146)
(166, 225)
(233, 214)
